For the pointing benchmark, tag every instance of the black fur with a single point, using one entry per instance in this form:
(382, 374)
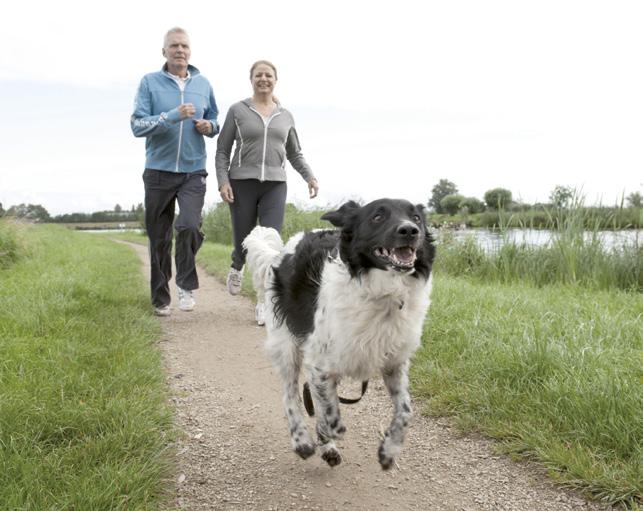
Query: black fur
(385, 222)
(362, 228)
(297, 279)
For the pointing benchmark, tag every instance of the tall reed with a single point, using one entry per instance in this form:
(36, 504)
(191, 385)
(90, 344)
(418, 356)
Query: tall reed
(575, 254)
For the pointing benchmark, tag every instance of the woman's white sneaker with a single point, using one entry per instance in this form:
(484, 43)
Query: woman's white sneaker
(234, 281)
(260, 314)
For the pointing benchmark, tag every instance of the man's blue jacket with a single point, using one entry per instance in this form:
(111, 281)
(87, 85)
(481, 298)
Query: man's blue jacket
(171, 144)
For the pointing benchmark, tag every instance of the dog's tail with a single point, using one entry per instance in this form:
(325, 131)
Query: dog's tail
(263, 245)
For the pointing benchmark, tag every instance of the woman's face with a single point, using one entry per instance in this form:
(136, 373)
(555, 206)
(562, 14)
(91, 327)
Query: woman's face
(263, 79)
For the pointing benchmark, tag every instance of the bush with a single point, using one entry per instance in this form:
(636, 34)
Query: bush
(498, 198)
(451, 203)
(217, 227)
(12, 245)
(472, 205)
(216, 224)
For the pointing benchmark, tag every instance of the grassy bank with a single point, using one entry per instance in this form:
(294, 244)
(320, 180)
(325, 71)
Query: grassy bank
(567, 259)
(602, 218)
(83, 417)
(552, 373)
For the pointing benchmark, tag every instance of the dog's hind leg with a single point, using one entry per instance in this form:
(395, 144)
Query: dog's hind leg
(287, 359)
(329, 423)
(397, 382)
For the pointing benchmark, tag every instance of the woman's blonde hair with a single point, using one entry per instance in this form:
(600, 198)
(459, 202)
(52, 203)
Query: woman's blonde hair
(265, 62)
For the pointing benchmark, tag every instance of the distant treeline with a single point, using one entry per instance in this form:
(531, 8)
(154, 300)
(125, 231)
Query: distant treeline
(37, 213)
(97, 217)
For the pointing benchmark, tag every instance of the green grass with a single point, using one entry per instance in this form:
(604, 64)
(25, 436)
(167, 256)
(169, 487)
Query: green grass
(217, 229)
(552, 373)
(84, 422)
(13, 245)
(215, 258)
(563, 261)
(617, 217)
(575, 255)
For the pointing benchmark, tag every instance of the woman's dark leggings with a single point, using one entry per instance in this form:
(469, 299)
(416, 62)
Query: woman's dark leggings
(255, 200)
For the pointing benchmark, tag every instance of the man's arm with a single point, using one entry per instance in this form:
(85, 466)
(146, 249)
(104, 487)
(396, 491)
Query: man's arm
(143, 122)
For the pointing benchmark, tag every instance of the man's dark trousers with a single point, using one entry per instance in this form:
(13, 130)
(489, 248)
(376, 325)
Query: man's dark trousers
(162, 191)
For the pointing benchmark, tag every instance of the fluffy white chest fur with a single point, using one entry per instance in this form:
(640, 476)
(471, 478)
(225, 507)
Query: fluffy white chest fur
(345, 303)
(365, 325)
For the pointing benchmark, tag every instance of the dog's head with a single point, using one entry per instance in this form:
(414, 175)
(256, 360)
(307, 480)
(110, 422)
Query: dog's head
(388, 234)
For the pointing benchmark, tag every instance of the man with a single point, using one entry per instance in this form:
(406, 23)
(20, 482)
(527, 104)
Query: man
(174, 109)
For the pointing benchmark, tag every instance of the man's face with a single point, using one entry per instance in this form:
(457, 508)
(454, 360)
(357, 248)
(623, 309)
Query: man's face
(177, 50)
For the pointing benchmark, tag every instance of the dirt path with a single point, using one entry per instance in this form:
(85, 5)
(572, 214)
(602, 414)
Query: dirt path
(236, 451)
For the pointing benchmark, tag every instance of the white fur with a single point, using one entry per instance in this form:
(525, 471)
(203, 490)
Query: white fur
(263, 246)
(363, 327)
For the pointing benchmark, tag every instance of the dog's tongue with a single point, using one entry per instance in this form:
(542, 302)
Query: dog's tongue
(404, 254)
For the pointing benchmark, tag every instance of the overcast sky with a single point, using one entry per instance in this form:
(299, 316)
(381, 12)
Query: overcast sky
(388, 97)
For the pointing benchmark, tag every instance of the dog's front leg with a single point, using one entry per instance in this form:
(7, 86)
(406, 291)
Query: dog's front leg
(397, 382)
(329, 423)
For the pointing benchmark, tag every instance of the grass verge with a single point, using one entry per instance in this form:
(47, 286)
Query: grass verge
(84, 421)
(552, 373)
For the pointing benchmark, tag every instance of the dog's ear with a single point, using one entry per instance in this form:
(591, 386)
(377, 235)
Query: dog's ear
(421, 210)
(338, 218)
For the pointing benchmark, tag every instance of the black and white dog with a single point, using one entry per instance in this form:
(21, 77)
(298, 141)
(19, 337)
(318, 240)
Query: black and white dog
(347, 302)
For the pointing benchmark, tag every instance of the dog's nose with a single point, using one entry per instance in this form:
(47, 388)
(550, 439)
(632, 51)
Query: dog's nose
(408, 230)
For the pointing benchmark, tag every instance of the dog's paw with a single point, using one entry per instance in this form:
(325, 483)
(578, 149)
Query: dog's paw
(302, 444)
(385, 461)
(336, 429)
(387, 453)
(305, 450)
(331, 456)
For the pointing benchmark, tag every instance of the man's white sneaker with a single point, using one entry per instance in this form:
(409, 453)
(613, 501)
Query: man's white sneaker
(234, 281)
(186, 300)
(260, 314)
(164, 310)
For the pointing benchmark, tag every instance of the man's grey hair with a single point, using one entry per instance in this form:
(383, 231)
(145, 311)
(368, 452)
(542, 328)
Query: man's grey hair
(175, 30)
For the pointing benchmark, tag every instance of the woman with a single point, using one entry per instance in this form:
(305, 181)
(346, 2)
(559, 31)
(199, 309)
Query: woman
(253, 182)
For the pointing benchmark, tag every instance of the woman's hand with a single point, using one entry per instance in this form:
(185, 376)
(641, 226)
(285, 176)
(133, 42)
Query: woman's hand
(226, 193)
(313, 188)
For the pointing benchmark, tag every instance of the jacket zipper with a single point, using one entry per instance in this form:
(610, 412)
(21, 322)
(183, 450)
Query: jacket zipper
(240, 138)
(178, 149)
(265, 140)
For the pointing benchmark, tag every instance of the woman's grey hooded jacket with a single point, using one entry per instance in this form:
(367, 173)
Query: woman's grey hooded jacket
(262, 145)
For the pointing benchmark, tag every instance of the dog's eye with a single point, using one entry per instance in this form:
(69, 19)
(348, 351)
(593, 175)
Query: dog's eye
(416, 219)
(377, 217)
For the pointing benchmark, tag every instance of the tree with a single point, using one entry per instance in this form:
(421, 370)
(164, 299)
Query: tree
(561, 196)
(498, 198)
(118, 208)
(451, 203)
(439, 192)
(33, 212)
(472, 204)
(633, 200)
(2, 211)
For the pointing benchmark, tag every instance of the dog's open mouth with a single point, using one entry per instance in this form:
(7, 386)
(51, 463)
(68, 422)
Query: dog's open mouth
(401, 258)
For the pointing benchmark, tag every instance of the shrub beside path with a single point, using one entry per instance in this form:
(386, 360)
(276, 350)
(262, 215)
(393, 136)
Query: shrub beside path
(235, 451)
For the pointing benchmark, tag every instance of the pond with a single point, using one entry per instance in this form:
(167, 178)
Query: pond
(490, 240)
(136, 231)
